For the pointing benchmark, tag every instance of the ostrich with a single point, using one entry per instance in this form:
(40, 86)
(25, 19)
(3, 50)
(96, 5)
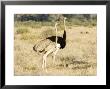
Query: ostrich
(51, 45)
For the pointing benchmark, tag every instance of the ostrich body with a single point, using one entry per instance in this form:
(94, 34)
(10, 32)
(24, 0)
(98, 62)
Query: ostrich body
(51, 45)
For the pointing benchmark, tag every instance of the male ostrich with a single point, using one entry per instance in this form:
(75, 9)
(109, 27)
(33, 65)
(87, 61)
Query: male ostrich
(51, 45)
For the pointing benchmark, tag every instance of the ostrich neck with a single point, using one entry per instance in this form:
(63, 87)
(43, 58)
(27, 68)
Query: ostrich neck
(64, 25)
(56, 35)
(64, 34)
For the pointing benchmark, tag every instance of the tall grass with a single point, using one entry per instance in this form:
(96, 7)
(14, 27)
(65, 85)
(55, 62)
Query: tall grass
(77, 58)
(31, 24)
(21, 30)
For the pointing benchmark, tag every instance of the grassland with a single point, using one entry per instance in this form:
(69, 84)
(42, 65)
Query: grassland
(78, 58)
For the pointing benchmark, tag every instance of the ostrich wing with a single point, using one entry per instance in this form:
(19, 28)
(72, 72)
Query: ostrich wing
(43, 46)
(52, 46)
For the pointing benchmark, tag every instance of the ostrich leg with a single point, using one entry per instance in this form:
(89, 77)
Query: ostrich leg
(54, 53)
(45, 58)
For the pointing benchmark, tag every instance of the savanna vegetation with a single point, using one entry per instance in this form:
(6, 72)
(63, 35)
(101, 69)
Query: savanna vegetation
(78, 58)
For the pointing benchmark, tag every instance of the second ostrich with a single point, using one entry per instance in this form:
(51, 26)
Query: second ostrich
(51, 45)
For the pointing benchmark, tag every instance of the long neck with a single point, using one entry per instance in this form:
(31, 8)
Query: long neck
(56, 34)
(64, 34)
(64, 25)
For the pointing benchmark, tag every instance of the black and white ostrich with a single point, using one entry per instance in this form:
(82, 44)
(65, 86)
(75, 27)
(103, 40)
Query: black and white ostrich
(51, 45)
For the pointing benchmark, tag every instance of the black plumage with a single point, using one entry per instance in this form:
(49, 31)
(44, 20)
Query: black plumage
(49, 42)
(61, 40)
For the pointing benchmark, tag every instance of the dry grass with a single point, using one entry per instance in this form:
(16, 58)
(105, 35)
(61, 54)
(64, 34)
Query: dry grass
(78, 58)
